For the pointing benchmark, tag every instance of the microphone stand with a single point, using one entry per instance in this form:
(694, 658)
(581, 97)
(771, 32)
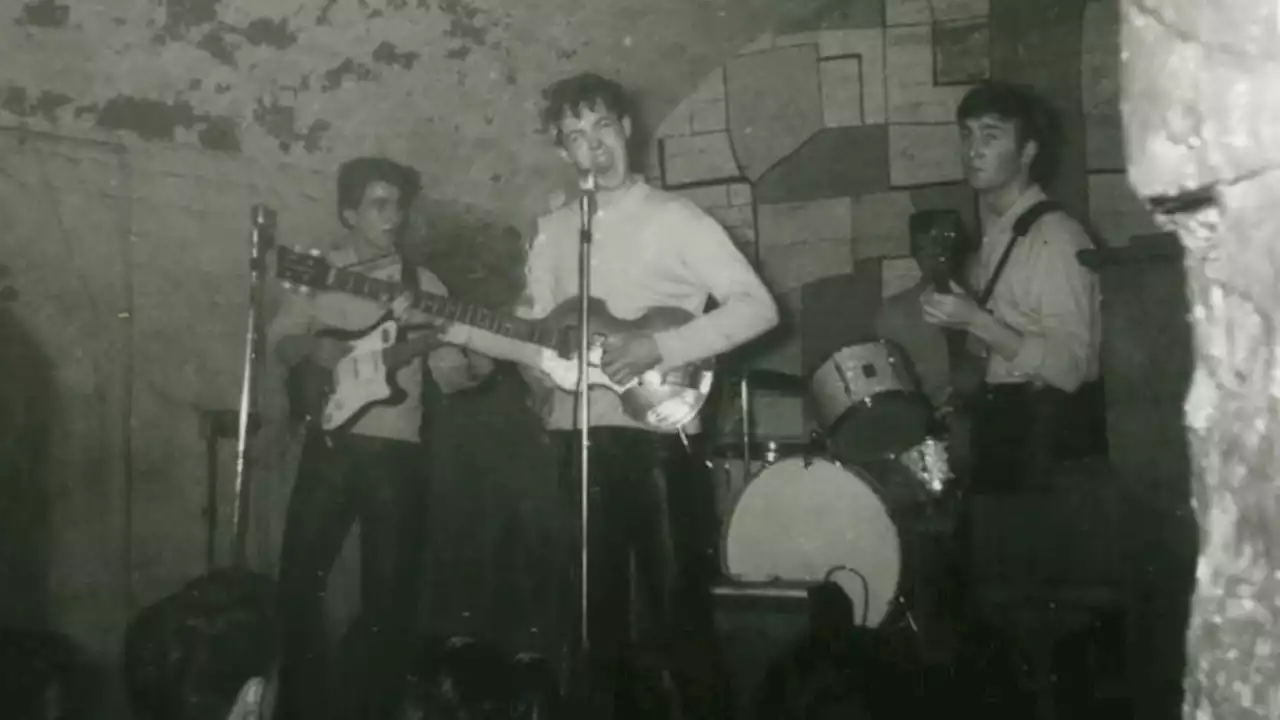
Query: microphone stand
(261, 241)
(587, 210)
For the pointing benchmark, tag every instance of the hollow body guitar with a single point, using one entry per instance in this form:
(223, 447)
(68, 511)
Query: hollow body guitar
(660, 400)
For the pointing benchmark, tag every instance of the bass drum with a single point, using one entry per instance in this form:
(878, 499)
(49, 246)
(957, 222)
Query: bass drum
(811, 520)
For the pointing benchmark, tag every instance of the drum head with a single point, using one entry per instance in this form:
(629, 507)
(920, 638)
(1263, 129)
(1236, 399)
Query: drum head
(798, 523)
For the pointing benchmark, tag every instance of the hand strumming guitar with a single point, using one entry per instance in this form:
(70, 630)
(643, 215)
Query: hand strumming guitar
(404, 313)
(954, 309)
(628, 356)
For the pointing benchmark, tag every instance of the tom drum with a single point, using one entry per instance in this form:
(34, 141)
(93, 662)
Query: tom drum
(868, 402)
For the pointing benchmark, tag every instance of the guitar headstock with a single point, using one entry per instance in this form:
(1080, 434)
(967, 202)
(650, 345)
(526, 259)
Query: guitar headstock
(303, 270)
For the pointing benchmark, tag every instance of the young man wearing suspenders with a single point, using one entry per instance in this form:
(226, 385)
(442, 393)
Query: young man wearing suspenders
(1035, 324)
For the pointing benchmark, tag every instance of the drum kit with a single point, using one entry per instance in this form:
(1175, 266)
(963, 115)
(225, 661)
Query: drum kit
(838, 501)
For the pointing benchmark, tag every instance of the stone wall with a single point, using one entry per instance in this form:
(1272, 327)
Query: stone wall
(1202, 149)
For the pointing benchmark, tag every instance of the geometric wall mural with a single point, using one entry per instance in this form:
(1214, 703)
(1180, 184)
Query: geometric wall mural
(814, 145)
(810, 145)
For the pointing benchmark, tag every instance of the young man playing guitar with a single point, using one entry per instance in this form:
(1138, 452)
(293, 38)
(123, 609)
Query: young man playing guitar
(372, 470)
(651, 249)
(1035, 322)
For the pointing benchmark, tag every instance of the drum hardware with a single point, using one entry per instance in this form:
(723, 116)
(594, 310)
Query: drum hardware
(775, 381)
(767, 452)
(929, 464)
(815, 448)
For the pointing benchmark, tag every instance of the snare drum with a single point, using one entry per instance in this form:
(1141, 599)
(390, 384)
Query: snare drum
(803, 521)
(868, 401)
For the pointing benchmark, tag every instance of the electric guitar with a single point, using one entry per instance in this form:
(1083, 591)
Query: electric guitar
(659, 400)
(365, 378)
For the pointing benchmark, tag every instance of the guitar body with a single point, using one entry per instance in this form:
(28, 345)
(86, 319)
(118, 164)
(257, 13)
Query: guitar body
(334, 400)
(667, 399)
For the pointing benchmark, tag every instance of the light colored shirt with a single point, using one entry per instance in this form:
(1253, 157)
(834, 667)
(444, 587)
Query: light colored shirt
(451, 368)
(651, 248)
(1046, 295)
(901, 321)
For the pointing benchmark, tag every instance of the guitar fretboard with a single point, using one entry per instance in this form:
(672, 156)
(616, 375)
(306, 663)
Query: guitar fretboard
(446, 308)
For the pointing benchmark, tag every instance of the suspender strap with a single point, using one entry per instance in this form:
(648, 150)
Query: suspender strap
(1021, 227)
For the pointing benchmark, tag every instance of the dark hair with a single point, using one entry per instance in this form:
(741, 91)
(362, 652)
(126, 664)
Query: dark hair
(1032, 116)
(187, 656)
(571, 95)
(355, 177)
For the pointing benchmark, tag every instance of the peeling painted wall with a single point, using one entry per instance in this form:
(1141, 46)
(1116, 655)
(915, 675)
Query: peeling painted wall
(450, 85)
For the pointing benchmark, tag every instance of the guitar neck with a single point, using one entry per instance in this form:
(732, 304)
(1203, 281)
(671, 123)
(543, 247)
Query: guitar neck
(496, 334)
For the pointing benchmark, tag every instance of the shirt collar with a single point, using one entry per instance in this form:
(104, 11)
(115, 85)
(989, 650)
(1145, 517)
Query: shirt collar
(1004, 226)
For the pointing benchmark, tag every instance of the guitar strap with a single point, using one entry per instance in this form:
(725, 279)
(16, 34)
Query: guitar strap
(969, 370)
(1021, 227)
(1054, 425)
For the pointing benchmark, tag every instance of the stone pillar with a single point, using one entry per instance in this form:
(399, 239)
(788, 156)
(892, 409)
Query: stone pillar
(1203, 149)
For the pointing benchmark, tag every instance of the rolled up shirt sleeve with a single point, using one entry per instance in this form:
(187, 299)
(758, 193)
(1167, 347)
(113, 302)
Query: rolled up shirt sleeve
(1058, 352)
(746, 309)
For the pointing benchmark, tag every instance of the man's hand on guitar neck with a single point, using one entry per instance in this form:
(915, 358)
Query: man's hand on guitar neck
(404, 313)
(424, 330)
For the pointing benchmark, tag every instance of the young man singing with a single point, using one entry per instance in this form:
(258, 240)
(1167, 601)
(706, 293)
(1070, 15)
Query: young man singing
(651, 249)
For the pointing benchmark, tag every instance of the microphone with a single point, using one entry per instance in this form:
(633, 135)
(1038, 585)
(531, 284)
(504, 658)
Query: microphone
(587, 183)
(587, 203)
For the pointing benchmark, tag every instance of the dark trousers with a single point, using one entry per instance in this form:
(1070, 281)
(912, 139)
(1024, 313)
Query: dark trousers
(1020, 433)
(647, 505)
(1019, 436)
(380, 483)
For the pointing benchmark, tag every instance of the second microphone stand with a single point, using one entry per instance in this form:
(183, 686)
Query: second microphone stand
(587, 209)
